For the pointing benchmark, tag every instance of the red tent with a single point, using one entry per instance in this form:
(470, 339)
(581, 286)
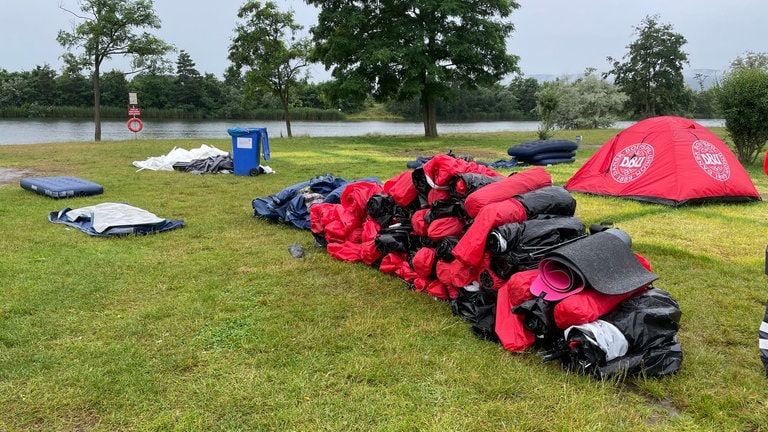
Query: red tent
(666, 160)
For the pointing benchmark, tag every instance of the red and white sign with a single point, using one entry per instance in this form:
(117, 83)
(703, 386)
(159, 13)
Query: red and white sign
(133, 111)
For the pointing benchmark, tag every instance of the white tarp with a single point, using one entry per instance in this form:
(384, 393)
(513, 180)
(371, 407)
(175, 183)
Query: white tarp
(165, 163)
(108, 215)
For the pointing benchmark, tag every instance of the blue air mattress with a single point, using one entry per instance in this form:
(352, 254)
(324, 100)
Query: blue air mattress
(553, 161)
(532, 148)
(551, 155)
(61, 187)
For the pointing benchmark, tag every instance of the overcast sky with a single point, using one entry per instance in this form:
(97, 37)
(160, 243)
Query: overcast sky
(551, 37)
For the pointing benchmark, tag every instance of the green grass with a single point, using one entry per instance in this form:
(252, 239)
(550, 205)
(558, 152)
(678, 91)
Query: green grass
(216, 327)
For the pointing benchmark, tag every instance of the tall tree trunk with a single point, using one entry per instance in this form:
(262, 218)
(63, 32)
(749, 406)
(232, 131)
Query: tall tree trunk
(429, 111)
(96, 104)
(286, 114)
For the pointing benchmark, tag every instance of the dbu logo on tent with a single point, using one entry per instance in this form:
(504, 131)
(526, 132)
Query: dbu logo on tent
(711, 160)
(632, 162)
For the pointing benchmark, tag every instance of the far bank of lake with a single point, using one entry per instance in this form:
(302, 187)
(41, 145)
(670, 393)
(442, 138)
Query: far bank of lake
(29, 131)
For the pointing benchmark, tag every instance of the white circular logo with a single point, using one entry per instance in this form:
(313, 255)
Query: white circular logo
(632, 162)
(711, 160)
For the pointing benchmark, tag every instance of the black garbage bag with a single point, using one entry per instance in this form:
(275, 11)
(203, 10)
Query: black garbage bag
(420, 183)
(534, 235)
(551, 200)
(539, 318)
(516, 246)
(445, 247)
(444, 209)
(464, 184)
(505, 265)
(395, 238)
(473, 305)
(381, 207)
(762, 336)
(485, 327)
(649, 322)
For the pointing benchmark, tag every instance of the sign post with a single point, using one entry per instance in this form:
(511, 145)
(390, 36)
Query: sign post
(134, 124)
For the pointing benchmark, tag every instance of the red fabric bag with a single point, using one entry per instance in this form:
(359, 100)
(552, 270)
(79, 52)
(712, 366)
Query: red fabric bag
(510, 328)
(355, 196)
(442, 167)
(515, 184)
(445, 227)
(401, 189)
(423, 262)
(471, 246)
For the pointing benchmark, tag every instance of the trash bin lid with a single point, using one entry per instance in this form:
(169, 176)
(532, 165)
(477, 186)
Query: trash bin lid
(240, 131)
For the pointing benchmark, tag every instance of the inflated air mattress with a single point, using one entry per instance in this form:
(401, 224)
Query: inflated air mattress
(532, 148)
(544, 152)
(61, 187)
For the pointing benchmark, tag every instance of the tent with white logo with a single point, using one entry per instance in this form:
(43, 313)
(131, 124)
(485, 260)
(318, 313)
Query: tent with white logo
(666, 160)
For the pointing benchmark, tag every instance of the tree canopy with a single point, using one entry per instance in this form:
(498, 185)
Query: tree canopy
(586, 103)
(267, 46)
(110, 28)
(751, 60)
(651, 74)
(400, 49)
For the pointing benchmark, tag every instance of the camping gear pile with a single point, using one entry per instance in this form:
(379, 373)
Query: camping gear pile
(509, 256)
(544, 152)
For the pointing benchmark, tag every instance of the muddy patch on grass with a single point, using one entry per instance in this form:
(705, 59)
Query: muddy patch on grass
(663, 409)
(13, 175)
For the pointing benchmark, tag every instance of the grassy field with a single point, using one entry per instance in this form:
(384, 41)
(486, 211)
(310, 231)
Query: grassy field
(217, 327)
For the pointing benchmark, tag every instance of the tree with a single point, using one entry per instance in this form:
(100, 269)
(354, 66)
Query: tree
(652, 73)
(212, 94)
(187, 89)
(751, 60)
(484, 103)
(267, 45)
(42, 83)
(114, 89)
(32, 91)
(73, 89)
(742, 99)
(524, 89)
(154, 89)
(401, 49)
(547, 102)
(14, 88)
(587, 103)
(106, 29)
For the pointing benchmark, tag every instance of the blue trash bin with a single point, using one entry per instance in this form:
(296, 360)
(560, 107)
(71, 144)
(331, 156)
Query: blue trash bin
(247, 143)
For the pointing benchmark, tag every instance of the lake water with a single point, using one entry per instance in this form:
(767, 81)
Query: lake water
(24, 131)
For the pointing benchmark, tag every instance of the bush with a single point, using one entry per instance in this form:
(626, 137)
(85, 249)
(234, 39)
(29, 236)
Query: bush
(742, 99)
